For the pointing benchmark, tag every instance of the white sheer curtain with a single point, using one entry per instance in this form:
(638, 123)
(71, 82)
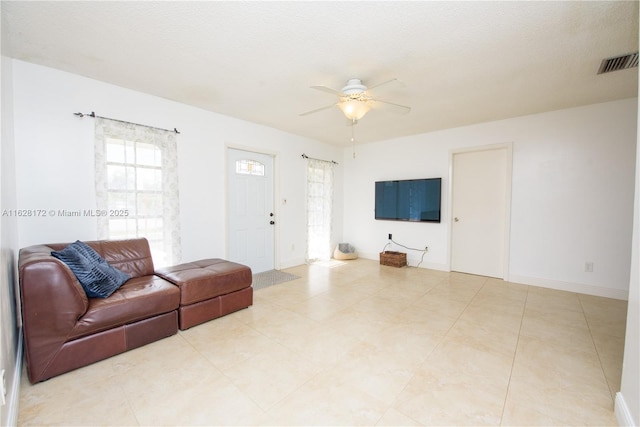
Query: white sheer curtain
(319, 209)
(137, 186)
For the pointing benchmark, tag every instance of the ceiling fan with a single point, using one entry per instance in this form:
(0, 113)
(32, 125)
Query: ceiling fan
(355, 100)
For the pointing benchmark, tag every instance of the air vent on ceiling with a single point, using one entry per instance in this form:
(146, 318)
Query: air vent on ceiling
(619, 63)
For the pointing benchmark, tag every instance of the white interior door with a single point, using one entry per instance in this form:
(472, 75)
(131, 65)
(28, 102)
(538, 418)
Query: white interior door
(480, 187)
(250, 209)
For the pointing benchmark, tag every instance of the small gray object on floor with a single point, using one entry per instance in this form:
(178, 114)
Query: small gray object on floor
(271, 277)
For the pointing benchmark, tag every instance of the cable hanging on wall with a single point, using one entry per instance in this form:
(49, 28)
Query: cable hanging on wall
(424, 251)
(94, 115)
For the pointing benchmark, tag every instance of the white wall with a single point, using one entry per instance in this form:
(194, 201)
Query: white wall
(10, 356)
(572, 194)
(628, 399)
(55, 165)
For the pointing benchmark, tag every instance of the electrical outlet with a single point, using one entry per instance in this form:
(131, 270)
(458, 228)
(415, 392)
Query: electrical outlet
(588, 267)
(390, 236)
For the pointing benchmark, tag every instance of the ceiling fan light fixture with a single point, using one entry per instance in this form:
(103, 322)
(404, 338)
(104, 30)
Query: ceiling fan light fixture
(355, 101)
(354, 109)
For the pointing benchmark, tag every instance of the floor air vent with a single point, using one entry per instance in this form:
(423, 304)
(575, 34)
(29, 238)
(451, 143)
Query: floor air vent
(619, 63)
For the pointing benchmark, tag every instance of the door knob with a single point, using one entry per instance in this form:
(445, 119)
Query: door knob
(456, 219)
(271, 214)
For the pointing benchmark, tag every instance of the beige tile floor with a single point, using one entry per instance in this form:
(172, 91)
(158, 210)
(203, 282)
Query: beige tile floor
(363, 344)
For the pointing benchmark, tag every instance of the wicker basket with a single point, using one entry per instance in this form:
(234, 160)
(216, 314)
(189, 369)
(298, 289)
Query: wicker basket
(393, 259)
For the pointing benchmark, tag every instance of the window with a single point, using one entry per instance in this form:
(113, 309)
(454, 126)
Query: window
(137, 186)
(319, 209)
(249, 167)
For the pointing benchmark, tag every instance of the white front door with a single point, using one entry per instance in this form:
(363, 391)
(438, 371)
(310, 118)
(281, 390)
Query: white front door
(250, 209)
(480, 187)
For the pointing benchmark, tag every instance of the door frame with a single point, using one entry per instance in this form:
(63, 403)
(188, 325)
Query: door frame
(276, 196)
(507, 214)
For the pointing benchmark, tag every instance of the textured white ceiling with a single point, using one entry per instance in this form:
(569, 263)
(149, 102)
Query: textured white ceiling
(460, 62)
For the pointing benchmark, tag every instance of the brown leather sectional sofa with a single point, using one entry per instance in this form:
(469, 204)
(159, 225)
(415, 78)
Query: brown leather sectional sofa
(64, 329)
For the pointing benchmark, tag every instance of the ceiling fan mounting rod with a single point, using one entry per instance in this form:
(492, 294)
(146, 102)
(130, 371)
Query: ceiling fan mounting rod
(353, 136)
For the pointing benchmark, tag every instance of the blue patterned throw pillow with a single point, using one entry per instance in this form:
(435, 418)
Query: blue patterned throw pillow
(98, 278)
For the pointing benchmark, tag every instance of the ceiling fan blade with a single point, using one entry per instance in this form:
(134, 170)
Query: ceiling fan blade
(396, 108)
(327, 89)
(383, 83)
(318, 109)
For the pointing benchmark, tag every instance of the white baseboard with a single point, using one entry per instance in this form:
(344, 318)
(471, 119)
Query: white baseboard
(623, 415)
(412, 260)
(371, 256)
(579, 288)
(291, 263)
(14, 395)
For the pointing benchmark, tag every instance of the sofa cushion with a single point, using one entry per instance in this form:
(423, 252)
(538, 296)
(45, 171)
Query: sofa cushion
(206, 278)
(132, 256)
(97, 277)
(140, 298)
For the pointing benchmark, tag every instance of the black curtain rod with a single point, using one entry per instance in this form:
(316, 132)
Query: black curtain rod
(304, 156)
(93, 114)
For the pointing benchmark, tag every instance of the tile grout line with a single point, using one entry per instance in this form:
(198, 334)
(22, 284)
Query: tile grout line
(392, 405)
(515, 353)
(442, 339)
(593, 341)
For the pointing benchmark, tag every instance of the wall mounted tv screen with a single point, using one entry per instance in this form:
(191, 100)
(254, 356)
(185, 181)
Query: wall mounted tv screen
(408, 200)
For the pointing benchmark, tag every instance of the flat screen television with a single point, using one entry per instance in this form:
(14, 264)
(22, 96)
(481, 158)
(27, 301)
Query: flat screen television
(409, 200)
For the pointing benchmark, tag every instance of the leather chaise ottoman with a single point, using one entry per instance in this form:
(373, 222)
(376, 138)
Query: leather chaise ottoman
(209, 288)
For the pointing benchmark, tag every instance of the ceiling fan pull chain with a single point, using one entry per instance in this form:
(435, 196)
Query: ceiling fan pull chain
(353, 138)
